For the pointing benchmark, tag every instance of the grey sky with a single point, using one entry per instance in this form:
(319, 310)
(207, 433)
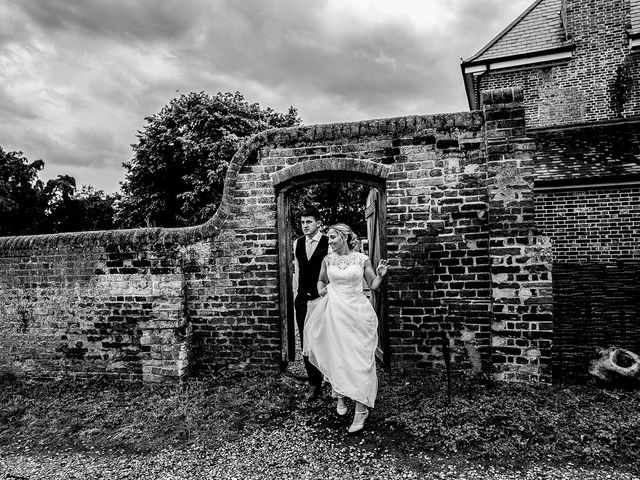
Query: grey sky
(78, 77)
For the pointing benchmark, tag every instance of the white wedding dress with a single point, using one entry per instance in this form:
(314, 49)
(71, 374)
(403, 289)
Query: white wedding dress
(341, 331)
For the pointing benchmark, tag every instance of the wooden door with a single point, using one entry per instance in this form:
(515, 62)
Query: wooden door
(376, 240)
(285, 257)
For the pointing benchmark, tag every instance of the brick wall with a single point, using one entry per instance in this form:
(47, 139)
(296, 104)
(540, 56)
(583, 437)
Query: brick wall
(101, 303)
(156, 303)
(582, 115)
(596, 288)
(597, 306)
(597, 226)
(600, 82)
(592, 229)
(520, 257)
(436, 221)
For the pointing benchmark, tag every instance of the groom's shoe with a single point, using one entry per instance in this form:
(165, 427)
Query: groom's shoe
(358, 421)
(313, 393)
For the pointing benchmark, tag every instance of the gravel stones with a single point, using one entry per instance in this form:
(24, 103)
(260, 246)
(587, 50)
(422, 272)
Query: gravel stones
(294, 449)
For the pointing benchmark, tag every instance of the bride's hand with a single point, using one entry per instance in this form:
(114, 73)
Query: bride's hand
(383, 266)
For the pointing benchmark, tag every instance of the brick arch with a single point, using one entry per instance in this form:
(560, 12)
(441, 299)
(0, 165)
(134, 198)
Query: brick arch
(356, 167)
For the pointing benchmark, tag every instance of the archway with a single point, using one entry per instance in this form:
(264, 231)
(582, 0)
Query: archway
(365, 172)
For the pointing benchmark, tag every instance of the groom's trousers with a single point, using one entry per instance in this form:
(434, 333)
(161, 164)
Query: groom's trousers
(315, 375)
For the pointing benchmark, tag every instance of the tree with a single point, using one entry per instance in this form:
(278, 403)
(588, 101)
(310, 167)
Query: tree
(29, 206)
(22, 199)
(337, 202)
(97, 207)
(72, 211)
(176, 175)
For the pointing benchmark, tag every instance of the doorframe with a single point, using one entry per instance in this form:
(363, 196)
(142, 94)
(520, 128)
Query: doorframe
(285, 248)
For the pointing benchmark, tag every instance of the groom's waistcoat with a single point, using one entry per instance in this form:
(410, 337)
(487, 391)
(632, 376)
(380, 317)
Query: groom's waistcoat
(309, 268)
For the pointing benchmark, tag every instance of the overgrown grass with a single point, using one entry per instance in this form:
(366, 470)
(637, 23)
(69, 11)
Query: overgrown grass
(516, 423)
(505, 424)
(108, 416)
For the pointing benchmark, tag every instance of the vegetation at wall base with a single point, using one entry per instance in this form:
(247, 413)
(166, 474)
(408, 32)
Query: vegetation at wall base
(508, 425)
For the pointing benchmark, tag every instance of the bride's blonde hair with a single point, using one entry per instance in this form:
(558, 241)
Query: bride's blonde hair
(347, 234)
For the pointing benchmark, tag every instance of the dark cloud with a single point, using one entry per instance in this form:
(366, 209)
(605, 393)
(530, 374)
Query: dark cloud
(290, 48)
(147, 20)
(378, 68)
(93, 70)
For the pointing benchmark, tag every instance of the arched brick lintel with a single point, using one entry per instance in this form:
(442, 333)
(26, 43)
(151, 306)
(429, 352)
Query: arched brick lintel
(332, 165)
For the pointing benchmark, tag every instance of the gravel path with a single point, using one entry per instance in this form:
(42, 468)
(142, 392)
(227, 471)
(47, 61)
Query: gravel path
(293, 450)
(310, 443)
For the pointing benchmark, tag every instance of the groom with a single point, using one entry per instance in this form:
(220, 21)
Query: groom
(310, 250)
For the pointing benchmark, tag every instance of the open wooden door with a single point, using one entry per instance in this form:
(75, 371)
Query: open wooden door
(375, 214)
(285, 257)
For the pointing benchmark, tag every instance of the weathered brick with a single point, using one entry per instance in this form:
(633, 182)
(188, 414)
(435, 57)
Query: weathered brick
(208, 297)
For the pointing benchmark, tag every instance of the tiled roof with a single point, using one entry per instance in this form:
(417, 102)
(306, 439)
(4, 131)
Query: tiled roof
(537, 28)
(598, 151)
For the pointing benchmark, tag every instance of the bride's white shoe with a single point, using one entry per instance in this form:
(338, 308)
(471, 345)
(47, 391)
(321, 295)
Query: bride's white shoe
(341, 407)
(358, 421)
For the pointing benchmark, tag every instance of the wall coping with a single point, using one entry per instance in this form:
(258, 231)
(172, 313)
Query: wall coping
(281, 137)
(382, 127)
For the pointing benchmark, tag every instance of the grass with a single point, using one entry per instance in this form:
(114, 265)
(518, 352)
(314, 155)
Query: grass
(132, 417)
(504, 424)
(518, 424)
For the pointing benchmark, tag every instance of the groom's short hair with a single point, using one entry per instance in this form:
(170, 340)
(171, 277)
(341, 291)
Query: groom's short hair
(311, 212)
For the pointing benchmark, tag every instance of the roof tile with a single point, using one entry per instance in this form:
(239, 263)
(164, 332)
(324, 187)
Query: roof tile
(538, 28)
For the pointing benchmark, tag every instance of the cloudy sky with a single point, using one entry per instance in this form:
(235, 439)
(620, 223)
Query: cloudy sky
(78, 77)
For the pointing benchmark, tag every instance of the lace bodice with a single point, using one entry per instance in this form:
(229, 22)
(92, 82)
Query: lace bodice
(345, 272)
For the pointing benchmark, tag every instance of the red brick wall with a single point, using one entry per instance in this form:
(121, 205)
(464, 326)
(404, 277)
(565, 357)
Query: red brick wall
(87, 301)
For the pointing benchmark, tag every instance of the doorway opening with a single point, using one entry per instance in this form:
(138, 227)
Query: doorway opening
(347, 197)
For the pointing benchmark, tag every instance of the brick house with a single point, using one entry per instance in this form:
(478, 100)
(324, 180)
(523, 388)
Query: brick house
(578, 65)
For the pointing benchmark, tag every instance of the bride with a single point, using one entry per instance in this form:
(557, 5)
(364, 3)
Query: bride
(341, 332)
